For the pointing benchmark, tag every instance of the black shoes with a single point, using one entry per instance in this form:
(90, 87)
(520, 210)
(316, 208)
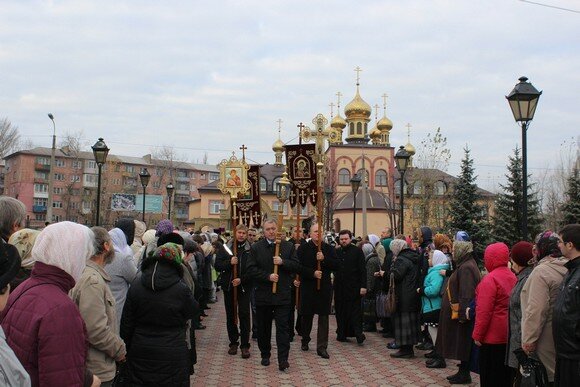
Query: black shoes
(265, 362)
(393, 345)
(304, 346)
(431, 355)
(436, 363)
(245, 353)
(341, 339)
(360, 339)
(401, 354)
(283, 365)
(460, 378)
(323, 354)
(425, 346)
(233, 349)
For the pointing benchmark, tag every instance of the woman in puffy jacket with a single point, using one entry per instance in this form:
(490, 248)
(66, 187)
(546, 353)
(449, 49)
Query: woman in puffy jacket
(431, 302)
(492, 298)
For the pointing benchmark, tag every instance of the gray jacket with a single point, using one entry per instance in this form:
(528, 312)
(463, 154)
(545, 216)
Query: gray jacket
(11, 371)
(515, 319)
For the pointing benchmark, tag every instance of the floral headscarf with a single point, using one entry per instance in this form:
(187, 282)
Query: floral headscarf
(170, 252)
(547, 245)
(24, 240)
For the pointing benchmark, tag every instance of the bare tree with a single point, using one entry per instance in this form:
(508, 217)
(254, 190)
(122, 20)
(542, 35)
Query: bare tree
(9, 137)
(26, 144)
(71, 145)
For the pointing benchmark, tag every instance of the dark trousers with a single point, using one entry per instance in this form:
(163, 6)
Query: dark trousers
(567, 372)
(265, 314)
(243, 317)
(254, 318)
(492, 370)
(321, 334)
(292, 317)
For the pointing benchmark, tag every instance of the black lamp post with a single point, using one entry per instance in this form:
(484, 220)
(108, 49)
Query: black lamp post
(100, 151)
(169, 189)
(328, 194)
(145, 177)
(523, 101)
(402, 162)
(354, 184)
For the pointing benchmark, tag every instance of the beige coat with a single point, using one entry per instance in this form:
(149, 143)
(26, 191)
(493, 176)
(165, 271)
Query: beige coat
(537, 298)
(97, 306)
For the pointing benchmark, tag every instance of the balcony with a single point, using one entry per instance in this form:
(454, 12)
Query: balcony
(181, 216)
(183, 179)
(39, 209)
(40, 180)
(42, 167)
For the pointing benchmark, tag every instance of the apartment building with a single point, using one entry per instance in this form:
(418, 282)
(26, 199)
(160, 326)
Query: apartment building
(26, 177)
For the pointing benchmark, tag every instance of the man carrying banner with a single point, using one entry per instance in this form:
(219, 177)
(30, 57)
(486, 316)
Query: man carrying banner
(313, 301)
(224, 263)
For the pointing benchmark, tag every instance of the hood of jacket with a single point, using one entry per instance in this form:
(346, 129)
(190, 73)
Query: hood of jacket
(427, 236)
(160, 274)
(410, 254)
(496, 255)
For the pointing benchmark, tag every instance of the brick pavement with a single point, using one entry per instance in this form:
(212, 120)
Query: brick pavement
(349, 363)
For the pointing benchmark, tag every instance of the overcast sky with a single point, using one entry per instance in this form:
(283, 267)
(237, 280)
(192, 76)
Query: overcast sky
(211, 75)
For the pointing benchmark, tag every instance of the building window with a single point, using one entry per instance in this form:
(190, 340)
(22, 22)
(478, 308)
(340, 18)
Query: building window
(117, 167)
(59, 163)
(116, 181)
(381, 178)
(417, 211)
(156, 184)
(91, 164)
(276, 207)
(344, 177)
(58, 190)
(40, 202)
(59, 176)
(74, 205)
(215, 206)
(43, 160)
(418, 188)
(40, 175)
(263, 184)
(56, 204)
(440, 188)
(214, 176)
(76, 164)
(398, 187)
(56, 218)
(75, 178)
(40, 217)
(363, 174)
(183, 187)
(87, 206)
(202, 176)
(129, 168)
(275, 184)
(159, 171)
(91, 178)
(181, 173)
(351, 128)
(41, 188)
(359, 128)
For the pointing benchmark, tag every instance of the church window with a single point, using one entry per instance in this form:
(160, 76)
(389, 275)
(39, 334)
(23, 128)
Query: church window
(344, 177)
(440, 188)
(398, 187)
(263, 184)
(351, 127)
(381, 178)
(359, 128)
(418, 188)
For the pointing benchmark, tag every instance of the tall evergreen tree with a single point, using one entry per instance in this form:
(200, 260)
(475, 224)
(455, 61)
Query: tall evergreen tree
(507, 222)
(571, 207)
(464, 211)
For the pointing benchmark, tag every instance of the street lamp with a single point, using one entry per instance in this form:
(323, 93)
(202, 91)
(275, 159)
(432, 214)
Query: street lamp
(354, 184)
(145, 177)
(169, 189)
(328, 194)
(402, 162)
(51, 173)
(100, 151)
(523, 101)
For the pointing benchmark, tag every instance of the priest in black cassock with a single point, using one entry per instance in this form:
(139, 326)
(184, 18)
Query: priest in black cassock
(349, 288)
(313, 301)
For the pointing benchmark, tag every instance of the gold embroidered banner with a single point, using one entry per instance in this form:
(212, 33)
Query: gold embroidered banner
(248, 206)
(302, 172)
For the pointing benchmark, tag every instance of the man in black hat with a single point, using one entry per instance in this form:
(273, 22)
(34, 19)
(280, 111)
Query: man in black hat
(10, 367)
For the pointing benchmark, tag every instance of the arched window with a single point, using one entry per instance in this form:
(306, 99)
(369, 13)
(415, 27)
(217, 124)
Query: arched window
(363, 174)
(440, 188)
(275, 184)
(344, 177)
(359, 128)
(263, 184)
(418, 188)
(351, 128)
(398, 187)
(381, 178)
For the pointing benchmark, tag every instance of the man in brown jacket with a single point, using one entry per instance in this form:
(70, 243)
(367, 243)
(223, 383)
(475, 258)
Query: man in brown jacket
(97, 307)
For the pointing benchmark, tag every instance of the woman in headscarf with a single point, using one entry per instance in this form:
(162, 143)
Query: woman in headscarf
(140, 229)
(373, 265)
(23, 240)
(454, 334)
(538, 296)
(149, 244)
(154, 318)
(42, 324)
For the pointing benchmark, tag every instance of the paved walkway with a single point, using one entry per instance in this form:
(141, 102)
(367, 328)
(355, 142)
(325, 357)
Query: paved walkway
(349, 363)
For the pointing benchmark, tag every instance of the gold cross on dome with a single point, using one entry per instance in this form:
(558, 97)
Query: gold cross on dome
(385, 96)
(376, 110)
(338, 95)
(358, 71)
(408, 126)
(279, 124)
(331, 109)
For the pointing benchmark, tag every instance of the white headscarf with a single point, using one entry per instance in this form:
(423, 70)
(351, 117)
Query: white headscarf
(368, 249)
(397, 245)
(120, 242)
(374, 239)
(66, 245)
(439, 258)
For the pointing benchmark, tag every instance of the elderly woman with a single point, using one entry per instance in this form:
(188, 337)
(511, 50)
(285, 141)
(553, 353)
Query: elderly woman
(521, 255)
(454, 332)
(53, 348)
(373, 265)
(23, 240)
(406, 272)
(538, 296)
(154, 319)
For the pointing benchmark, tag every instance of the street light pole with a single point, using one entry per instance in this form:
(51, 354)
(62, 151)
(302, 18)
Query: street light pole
(523, 100)
(144, 176)
(100, 151)
(401, 162)
(354, 184)
(51, 173)
(170, 189)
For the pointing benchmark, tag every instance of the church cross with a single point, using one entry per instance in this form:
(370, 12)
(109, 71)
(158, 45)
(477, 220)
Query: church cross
(313, 194)
(302, 195)
(338, 95)
(408, 126)
(358, 70)
(376, 110)
(331, 109)
(385, 96)
(243, 149)
(244, 217)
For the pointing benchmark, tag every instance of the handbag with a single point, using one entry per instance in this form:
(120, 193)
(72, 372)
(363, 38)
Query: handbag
(382, 305)
(532, 370)
(369, 308)
(454, 306)
(391, 304)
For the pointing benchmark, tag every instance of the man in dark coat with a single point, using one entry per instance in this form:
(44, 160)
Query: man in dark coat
(349, 286)
(312, 300)
(271, 305)
(224, 263)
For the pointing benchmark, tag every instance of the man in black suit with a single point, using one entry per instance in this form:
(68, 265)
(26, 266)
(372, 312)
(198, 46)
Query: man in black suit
(271, 305)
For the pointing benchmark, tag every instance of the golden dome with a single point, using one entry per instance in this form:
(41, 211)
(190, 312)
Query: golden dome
(338, 122)
(410, 148)
(358, 106)
(375, 135)
(385, 124)
(278, 146)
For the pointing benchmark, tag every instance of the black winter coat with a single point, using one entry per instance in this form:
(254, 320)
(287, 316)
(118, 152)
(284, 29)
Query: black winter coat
(407, 279)
(351, 276)
(153, 326)
(313, 301)
(223, 265)
(566, 314)
(261, 265)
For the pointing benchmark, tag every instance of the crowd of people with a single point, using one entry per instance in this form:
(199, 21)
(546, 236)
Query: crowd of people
(90, 306)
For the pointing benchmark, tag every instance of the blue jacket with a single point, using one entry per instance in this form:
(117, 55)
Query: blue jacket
(431, 293)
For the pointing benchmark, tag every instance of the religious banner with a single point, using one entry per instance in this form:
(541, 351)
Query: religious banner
(302, 172)
(248, 205)
(233, 177)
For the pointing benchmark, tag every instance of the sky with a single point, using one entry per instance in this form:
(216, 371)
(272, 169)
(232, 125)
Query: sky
(209, 76)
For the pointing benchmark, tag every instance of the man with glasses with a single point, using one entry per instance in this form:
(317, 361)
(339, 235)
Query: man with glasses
(566, 313)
